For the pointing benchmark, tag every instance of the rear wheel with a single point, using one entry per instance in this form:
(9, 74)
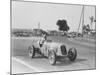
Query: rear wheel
(31, 51)
(72, 54)
(52, 57)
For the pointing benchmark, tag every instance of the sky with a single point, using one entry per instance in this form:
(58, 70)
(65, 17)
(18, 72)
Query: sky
(29, 14)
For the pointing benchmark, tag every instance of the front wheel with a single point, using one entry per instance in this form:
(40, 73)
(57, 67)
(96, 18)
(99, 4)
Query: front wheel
(52, 57)
(31, 51)
(72, 54)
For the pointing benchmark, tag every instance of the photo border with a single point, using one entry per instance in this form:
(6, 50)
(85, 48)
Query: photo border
(45, 3)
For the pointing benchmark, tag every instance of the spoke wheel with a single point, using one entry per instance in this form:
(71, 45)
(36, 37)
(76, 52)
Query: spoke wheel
(52, 57)
(31, 50)
(72, 54)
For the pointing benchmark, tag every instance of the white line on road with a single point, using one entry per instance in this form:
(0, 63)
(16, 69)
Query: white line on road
(26, 64)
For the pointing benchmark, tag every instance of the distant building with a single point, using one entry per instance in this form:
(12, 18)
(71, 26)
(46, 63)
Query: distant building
(39, 31)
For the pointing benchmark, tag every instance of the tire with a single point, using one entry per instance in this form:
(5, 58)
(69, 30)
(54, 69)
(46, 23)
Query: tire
(31, 51)
(72, 54)
(52, 57)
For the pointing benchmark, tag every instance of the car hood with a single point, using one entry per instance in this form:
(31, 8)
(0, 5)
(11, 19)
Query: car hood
(54, 44)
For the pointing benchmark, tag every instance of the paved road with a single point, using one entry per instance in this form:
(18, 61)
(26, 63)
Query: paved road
(21, 63)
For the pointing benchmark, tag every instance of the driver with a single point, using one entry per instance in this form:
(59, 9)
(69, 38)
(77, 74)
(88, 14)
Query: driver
(43, 39)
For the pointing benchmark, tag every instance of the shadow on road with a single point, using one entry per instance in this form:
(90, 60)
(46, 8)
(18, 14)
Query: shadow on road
(65, 62)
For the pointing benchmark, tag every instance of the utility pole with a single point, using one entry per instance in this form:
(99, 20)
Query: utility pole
(81, 18)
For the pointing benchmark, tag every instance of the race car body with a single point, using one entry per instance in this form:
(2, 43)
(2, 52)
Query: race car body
(52, 50)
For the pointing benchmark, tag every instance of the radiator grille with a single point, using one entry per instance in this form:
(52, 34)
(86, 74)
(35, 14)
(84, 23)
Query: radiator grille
(63, 50)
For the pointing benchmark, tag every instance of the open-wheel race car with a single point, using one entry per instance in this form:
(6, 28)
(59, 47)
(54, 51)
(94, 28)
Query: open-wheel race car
(52, 50)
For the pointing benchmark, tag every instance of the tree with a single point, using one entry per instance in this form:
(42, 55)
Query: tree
(63, 26)
(92, 20)
(86, 29)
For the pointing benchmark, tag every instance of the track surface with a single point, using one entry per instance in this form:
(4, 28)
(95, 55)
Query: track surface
(21, 63)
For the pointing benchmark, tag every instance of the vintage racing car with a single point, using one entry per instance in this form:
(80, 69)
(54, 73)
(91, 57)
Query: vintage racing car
(52, 50)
